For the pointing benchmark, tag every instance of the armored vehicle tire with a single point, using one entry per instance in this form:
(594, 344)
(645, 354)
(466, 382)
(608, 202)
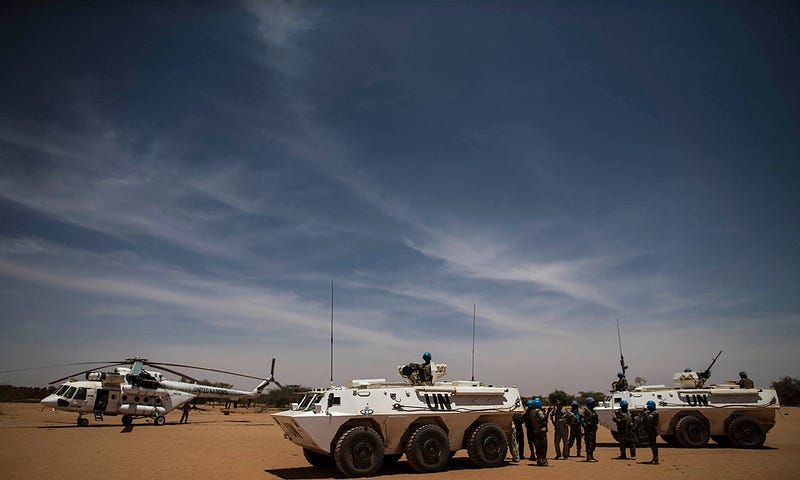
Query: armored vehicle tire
(359, 452)
(747, 432)
(319, 460)
(691, 432)
(721, 440)
(391, 459)
(487, 445)
(127, 419)
(428, 449)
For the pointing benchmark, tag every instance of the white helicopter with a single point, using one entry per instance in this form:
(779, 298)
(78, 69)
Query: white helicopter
(136, 392)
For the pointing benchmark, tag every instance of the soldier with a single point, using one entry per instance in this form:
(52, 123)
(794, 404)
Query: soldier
(539, 428)
(574, 428)
(650, 424)
(185, 412)
(621, 385)
(561, 420)
(589, 422)
(526, 417)
(625, 430)
(513, 437)
(425, 375)
(517, 420)
(745, 382)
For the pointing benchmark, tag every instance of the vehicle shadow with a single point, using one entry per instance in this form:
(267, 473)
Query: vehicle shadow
(400, 468)
(711, 445)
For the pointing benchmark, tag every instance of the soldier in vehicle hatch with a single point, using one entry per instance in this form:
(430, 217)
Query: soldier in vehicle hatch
(589, 421)
(425, 374)
(745, 382)
(621, 385)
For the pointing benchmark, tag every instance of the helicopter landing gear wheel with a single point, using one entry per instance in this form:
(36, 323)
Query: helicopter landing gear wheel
(83, 422)
(127, 420)
(160, 420)
(428, 449)
(359, 452)
(487, 445)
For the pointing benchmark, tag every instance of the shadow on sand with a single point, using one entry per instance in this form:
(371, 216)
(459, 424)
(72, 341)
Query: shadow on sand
(400, 468)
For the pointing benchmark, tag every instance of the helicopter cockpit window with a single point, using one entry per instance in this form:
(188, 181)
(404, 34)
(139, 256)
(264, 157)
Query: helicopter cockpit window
(81, 394)
(70, 392)
(61, 390)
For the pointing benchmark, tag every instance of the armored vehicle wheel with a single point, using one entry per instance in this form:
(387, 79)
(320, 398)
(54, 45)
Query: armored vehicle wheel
(691, 432)
(721, 440)
(390, 460)
(359, 452)
(747, 432)
(319, 460)
(487, 445)
(160, 420)
(127, 419)
(428, 449)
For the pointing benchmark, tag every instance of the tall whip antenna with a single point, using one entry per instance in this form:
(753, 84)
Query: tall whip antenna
(473, 341)
(331, 331)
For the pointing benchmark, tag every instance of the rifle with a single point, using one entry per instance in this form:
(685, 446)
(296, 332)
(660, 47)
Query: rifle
(704, 375)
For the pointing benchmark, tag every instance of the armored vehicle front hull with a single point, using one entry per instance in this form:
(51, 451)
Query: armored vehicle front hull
(427, 423)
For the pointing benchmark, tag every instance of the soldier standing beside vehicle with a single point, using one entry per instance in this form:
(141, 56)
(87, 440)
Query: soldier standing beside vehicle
(517, 422)
(539, 427)
(626, 430)
(589, 422)
(574, 428)
(650, 424)
(745, 382)
(561, 420)
(526, 417)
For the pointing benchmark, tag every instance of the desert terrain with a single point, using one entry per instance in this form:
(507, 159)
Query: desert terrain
(38, 443)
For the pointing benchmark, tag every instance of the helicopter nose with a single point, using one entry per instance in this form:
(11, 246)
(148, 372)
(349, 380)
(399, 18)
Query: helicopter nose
(50, 401)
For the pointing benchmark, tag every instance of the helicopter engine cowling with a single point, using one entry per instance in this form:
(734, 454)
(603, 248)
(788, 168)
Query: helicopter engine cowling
(134, 390)
(105, 377)
(135, 409)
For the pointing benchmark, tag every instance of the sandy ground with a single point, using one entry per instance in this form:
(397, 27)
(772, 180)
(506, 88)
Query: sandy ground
(42, 444)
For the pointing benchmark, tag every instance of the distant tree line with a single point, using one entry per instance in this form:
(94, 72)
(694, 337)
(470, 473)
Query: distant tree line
(788, 390)
(10, 393)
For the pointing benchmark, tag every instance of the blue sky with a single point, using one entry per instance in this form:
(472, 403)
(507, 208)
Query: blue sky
(182, 183)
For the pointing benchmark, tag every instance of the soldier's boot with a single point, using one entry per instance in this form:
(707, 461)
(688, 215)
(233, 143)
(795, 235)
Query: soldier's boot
(654, 461)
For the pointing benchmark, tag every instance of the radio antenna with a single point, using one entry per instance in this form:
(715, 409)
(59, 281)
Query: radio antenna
(331, 330)
(473, 340)
(621, 358)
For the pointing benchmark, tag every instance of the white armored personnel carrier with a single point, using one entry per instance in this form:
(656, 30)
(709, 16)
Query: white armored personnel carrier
(690, 413)
(372, 422)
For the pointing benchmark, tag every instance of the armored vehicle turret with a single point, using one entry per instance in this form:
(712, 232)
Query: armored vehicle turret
(371, 422)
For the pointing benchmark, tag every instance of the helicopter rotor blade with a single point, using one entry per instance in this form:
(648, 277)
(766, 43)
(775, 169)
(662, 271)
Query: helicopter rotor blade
(174, 372)
(272, 369)
(56, 366)
(85, 371)
(206, 369)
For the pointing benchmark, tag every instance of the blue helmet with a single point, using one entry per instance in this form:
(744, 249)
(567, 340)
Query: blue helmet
(589, 400)
(623, 403)
(529, 403)
(426, 356)
(685, 370)
(620, 374)
(537, 402)
(574, 404)
(742, 374)
(651, 405)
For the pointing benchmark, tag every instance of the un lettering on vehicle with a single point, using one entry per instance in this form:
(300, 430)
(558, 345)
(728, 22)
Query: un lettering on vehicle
(438, 401)
(696, 400)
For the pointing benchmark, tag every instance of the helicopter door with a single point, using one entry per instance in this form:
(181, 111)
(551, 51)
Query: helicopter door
(101, 400)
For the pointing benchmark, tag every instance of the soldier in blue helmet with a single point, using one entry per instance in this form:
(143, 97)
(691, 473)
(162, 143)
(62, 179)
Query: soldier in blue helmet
(745, 382)
(626, 430)
(575, 432)
(650, 424)
(425, 375)
(621, 385)
(538, 419)
(589, 423)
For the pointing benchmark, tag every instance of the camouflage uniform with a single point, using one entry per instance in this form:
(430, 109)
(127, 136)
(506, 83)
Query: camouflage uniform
(745, 382)
(626, 430)
(526, 417)
(575, 432)
(561, 420)
(650, 424)
(539, 429)
(620, 385)
(589, 421)
(519, 434)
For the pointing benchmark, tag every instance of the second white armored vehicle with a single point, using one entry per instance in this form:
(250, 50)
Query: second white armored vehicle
(370, 423)
(690, 413)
